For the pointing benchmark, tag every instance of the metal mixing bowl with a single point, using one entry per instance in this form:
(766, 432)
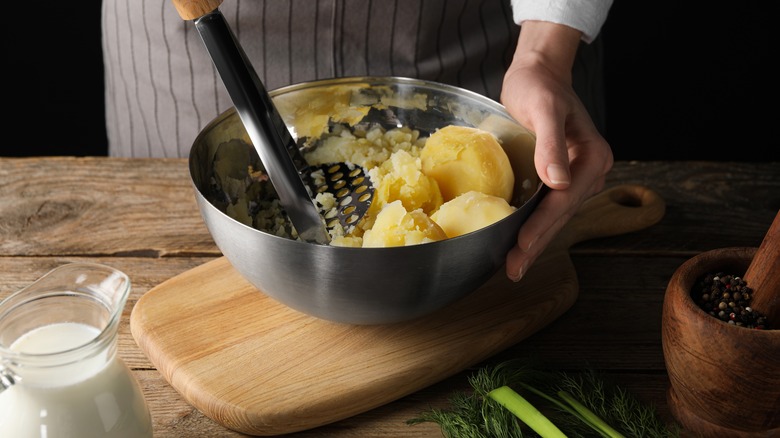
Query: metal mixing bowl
(371, 285)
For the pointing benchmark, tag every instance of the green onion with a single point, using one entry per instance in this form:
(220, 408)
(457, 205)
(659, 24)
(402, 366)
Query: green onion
(590, 417)
(526, 412)
(579, 403)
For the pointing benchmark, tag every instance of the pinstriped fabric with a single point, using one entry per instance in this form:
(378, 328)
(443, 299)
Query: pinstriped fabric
(161, 88)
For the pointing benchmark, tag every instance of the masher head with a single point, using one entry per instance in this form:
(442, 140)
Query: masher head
(351, 188)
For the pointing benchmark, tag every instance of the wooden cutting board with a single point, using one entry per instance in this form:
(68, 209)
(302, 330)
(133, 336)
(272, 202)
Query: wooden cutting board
(261, 368)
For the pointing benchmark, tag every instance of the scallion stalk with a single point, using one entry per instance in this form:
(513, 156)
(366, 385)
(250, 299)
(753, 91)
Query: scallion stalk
(589, 416)
(525, 412)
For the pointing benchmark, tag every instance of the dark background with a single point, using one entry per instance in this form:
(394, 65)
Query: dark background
(684, 81)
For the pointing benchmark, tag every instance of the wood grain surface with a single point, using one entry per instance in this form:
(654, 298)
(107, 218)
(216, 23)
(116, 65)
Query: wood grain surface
(140, 216)
(258, 367)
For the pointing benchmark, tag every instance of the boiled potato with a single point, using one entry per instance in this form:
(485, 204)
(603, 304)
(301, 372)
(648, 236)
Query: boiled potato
(470, 212)
(401, 179)
(394, 226)
(463, 159)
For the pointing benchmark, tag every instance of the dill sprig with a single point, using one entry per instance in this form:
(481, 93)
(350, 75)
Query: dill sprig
(581, 405)
(470, 416)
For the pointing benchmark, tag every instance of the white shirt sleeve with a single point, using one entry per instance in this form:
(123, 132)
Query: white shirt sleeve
(586, 16)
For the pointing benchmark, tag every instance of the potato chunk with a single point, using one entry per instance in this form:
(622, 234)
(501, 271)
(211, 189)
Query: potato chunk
(463, 159)
(395, 226)
(470, 212)
(400, 179)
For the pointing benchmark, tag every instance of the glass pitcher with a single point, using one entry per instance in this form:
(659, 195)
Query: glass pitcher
(60, 375)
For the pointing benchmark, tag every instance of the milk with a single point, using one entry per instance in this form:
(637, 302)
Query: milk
(54, 338)
(95, 396)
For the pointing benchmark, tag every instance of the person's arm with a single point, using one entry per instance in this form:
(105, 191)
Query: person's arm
(571, 156)
(587, 16)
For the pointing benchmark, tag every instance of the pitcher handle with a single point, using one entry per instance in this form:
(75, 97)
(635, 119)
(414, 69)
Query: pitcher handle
(7, 379)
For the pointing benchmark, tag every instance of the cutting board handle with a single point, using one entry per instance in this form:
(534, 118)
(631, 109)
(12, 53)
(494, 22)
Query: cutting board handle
(617, 210)
(192, 9)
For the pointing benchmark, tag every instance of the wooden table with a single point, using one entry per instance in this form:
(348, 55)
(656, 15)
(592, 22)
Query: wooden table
(140, 216)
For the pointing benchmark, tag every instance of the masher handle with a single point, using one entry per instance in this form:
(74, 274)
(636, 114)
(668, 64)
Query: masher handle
(266, 129)
(192, 9)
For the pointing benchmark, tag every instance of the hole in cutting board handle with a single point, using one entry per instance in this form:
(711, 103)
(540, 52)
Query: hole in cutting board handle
(630, 196)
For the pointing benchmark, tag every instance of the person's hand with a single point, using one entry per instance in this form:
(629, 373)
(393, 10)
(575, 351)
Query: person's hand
(571, 157)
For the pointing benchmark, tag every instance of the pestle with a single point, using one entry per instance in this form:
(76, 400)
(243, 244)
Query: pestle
(763, 276)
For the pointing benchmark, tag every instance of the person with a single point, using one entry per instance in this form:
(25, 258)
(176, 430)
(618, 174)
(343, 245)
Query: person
(530, 55)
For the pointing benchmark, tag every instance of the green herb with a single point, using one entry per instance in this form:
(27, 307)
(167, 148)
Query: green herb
(525, 411)
(577, 405)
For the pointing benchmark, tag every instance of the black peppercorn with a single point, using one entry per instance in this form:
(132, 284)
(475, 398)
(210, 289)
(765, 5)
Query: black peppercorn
(727, 297)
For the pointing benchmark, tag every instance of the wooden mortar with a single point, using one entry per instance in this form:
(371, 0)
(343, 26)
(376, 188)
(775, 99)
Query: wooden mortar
(725, 379)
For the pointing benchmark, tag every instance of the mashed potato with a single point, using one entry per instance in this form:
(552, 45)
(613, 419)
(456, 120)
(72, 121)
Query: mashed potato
(395, 226)
(401, 179)
(365, 149)
(413, 177)
(454, 182)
